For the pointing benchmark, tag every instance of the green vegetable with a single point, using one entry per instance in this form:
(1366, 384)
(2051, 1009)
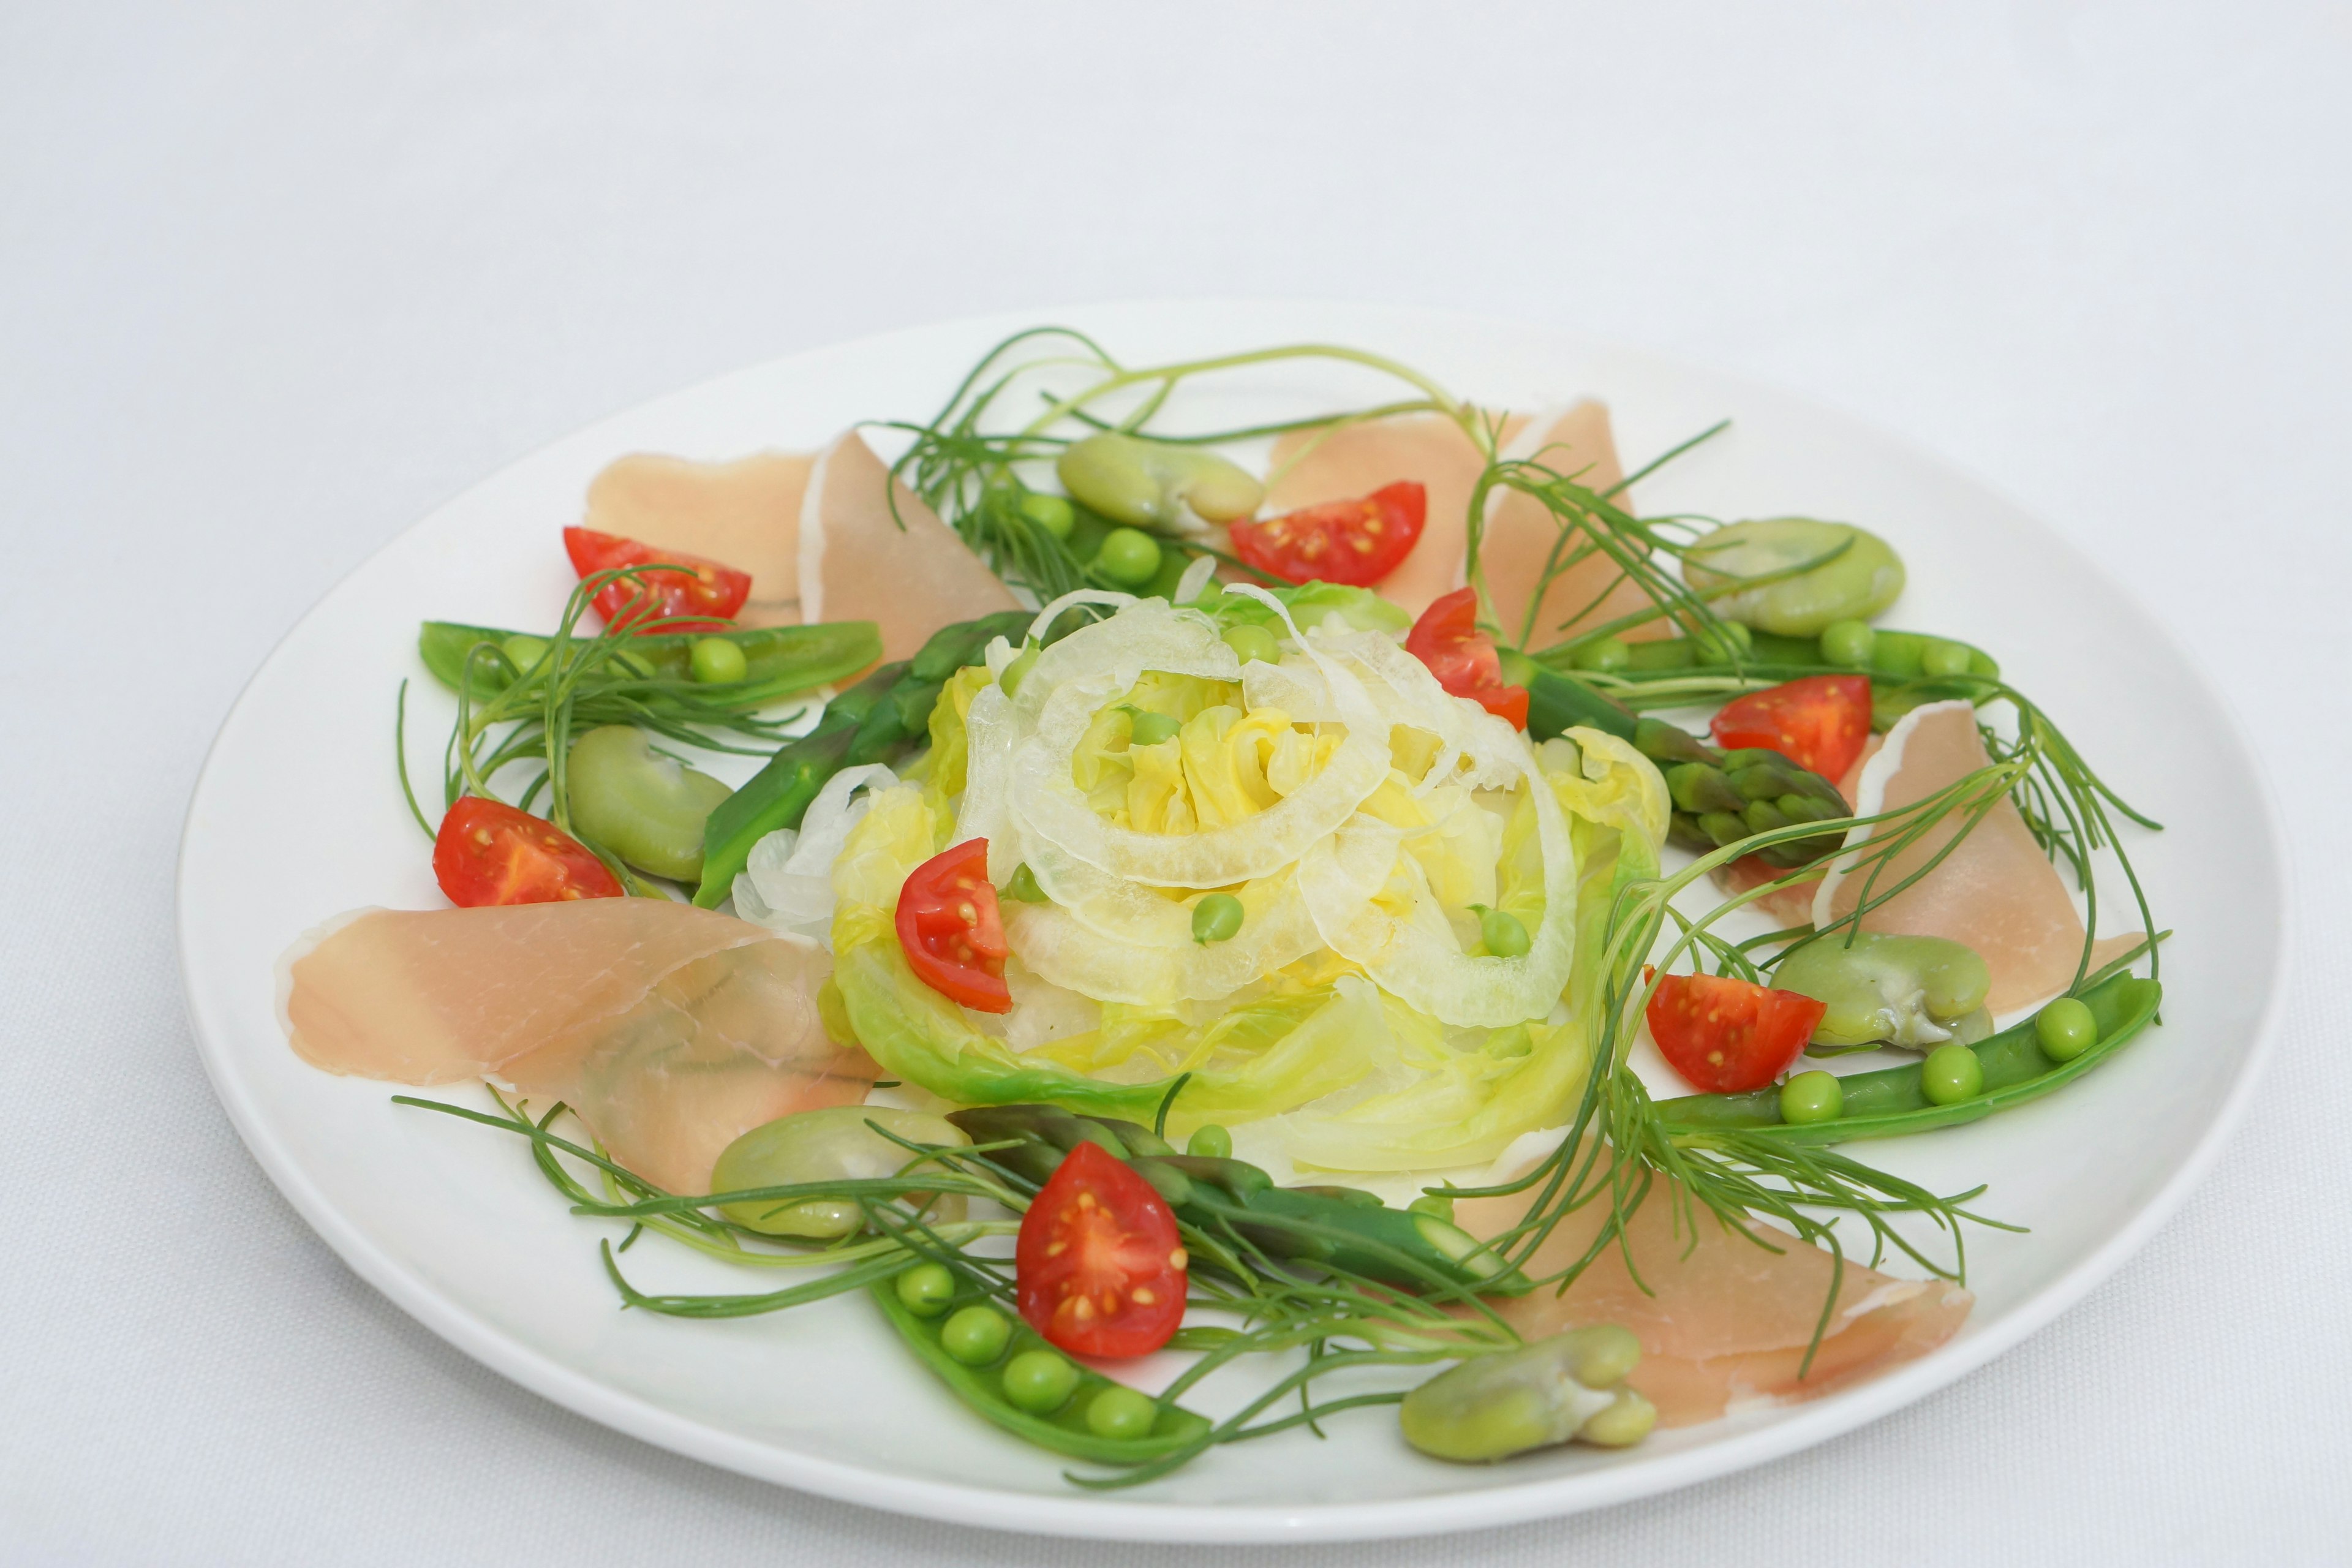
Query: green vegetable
(1858, 577)
(1892, 1101)
(1310, 605)
(2065, 1029)
(1940, 661)
(1503, 933)
(927, 1288)
(1433, 1203)
(1848, 643)
(641, 806)
(718, 662)
(1050, 512)
(1253, 644)
(1905, 990)
(1025, 1373)
(1604, 655)
(1540, 1395)
(1722, 798)
(1810, 1097)
(1150, 728)
(1951, 1074)
(1129, 558)
(1152, 484)
(1558, 701)
(1217, 918)
(1211, 1142)
(1021, 886)
(833, 1143)
(976, 1335)
(778, 661)
(1121, 1414)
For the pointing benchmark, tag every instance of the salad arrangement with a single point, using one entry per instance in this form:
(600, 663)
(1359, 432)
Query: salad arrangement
(1235, 897)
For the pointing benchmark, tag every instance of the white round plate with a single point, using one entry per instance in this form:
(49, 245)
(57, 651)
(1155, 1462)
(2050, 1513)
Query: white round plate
(297, 817)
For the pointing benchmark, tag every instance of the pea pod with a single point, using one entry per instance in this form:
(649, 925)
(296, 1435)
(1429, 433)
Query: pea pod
(1893, 1101)
(1558, 702)
(1342, 1228)
(1154, 484)
(1062, 1430)
(785, 659)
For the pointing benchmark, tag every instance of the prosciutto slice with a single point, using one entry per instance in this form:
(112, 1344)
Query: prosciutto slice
(745, 513)
(670, 1030)
(1521, 532)
(1726, 1323)
(1997, 890)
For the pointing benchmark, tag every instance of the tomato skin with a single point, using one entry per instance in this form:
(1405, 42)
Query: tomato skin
(1726, 1036)
(1098, 1267)
(952, 930)
(1821, 722)
(488, 852)
(1447, 639)
(1353, 542)
(707, 588)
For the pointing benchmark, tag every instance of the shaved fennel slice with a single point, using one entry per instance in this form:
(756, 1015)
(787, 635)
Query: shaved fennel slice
(1161, 964)
(1147, 634)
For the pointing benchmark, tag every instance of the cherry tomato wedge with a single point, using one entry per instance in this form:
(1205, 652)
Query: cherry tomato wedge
(1821, 722)
(1098, 1267)
(699, 589)
(1353, 542)
(1726, 1036)
(1447, 639)
(948, 924)
(489, 852)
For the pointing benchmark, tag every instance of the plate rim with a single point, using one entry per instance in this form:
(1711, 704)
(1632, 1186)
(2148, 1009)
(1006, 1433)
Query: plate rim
(1086, 1515)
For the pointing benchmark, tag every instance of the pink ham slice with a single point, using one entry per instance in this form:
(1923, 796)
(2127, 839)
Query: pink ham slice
(908, 572)
(670, 1030)
(1725, 1324)
(745, 513)
(1357, 459)
(1997, 890)
(1521, 532)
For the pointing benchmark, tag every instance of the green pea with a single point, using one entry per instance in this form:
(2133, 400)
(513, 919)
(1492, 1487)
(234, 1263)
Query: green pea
(1945, 659)
(1734, 641)
(1435, 1204)
(1859, 580)
(1119, 1411)
(976, 1335)
(1847, 643)
(715, 661)
(1217, 918)
(1253, 644)
(641, 806)
(1021, 886)
(1503, 933)
(1604, 655)
(1210, 1142)
(2066, 1029)
(1038, 1382)
(1813, 1097)
(1150, 728)
(1129, 557)
(1052, 513)
(524, 649)
(1951, 1074)
(927, 1288)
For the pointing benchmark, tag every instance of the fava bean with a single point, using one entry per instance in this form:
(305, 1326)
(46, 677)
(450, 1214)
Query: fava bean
(1156, 484)
(1907, 991)
(1857, 583)
(1492, 1406)
(641, 806)
(834, 1143)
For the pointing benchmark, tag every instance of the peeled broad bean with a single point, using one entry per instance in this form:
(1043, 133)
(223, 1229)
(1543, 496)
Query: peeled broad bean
(1858, 584)
(1913, 991)
(827, 1145)
(1151, 484)
(641, 806)
(1492, 1406)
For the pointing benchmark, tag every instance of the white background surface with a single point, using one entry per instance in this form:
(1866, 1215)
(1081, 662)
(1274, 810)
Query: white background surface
(273, 285)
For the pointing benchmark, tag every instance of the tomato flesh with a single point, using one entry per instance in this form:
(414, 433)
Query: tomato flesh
(1821, 722)
(1447, 639)
(488, 852)
(1098, 1267)
(952, 930)
(1353, 542)
(698, 595)
(1726, 1036)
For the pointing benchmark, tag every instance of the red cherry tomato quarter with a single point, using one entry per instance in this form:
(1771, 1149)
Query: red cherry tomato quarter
(1821, 722)
(489, 852)
(1447, 639)
(1726, 1036)
(1353, 542)
(1098, 1267)
(706, 591)
(949, 927)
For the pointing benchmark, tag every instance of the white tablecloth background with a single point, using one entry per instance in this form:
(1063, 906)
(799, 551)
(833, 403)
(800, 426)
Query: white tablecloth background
(275, 279)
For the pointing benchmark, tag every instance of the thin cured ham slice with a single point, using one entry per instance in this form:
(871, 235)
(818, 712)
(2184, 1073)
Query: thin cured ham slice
(1725, 1324)
(745, 514)
(1521, 532)
(908, 572)
(670, 1030)
(1997, 891)
(1357, 459)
